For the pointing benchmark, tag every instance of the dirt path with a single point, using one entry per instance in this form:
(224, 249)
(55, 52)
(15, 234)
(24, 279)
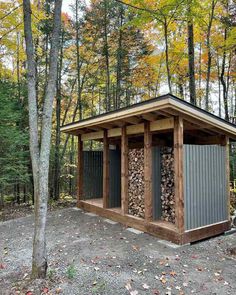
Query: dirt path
(87, 255)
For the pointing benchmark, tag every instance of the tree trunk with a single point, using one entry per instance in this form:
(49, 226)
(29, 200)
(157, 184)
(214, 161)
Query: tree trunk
(209, 56)
(191, 58)
(222, 79)
(119, 59)
(106, 52)
(200, 76)
(167, 56)
(71, 169)
(56, 187)
(40, 154)
(219, 83)
(78, 60)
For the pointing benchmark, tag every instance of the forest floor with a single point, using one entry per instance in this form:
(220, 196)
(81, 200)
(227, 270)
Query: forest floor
(88, 255)
(12, 211)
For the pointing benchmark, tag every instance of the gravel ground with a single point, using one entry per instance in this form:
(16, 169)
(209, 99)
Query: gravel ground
(87, 255)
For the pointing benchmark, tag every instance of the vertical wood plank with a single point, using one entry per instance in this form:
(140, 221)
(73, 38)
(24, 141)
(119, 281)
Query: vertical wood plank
(227, 169)
(105, 170)
(148, 200)
(178, 173)
(124, 171)
(80, 169)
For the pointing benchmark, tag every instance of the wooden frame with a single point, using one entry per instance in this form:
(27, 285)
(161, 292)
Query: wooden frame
(80, 168)
(147, 119)
(148, 199)
(124, 171)
(105, 170)
(178, 173)
(166, 104)
(159, 125)
(227, 168)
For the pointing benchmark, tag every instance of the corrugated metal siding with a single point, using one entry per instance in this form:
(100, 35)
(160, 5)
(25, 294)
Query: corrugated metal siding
(156, 181)
(205, 185)
(93, 171)
(115, 178)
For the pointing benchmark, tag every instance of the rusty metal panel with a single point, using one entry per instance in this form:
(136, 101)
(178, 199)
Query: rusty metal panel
(205, 185)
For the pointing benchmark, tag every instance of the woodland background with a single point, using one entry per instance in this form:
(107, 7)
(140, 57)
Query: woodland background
(112, 54)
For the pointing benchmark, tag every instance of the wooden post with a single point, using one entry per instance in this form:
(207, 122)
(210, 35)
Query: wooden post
(80, 170)
(148, 203)
(105, 170)
(124, 171)
(227, 169)
(178, 173)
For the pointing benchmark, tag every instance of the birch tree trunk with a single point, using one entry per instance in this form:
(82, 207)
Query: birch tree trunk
(40, 151)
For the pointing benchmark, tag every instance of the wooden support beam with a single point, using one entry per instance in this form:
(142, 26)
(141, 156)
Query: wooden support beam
(80, 168)
(106, 125)
(105, 170)
(118, 123)
(96, 128)
(178, 173)
(147, 172)
(159, 125)
(208, 140)
(163, 124)
(124, 171)
(132, 120)
(227, 170)
(162, 113)
(92, 135)
(150, 116)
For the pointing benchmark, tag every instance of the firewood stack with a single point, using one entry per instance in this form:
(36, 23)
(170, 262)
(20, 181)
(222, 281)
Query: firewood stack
(167, 184)
(136, 182)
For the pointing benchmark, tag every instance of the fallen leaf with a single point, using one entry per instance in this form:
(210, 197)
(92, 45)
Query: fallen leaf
(135, 248)
(173, 273)
(145, 286)
(128, 286)
(163, 280)
(178, 288)
(134, 292)
(45, 290)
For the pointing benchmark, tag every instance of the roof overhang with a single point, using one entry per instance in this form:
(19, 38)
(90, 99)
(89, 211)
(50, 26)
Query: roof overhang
(166, 104)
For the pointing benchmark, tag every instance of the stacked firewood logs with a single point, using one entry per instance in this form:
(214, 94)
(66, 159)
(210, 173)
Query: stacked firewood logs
(167, 184)
(136, 182)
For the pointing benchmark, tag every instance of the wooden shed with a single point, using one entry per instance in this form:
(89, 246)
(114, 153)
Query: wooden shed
(197, 203)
